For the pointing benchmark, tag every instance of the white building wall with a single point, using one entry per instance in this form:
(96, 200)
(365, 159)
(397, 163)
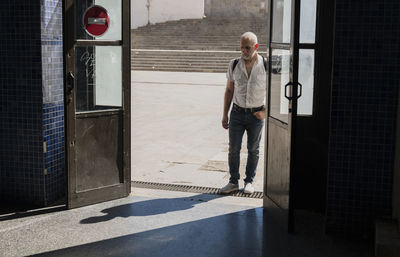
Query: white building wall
(139, 13)
(145, 12)
(235, 8)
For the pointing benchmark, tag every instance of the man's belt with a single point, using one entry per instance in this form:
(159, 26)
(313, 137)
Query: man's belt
(255, 109)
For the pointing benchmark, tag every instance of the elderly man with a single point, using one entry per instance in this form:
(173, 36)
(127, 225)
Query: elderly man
(246, 87)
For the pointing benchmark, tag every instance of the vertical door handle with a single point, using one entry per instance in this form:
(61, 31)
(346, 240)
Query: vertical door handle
(300, 89)
(70, 82)
(291, 84)
(286, 91)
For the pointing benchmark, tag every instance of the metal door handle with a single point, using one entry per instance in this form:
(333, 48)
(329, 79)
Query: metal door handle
(71, 82)
(286, 94)
(291, 84)
(300, 89)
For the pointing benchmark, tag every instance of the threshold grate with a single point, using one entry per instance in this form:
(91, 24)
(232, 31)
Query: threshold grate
(192, 189)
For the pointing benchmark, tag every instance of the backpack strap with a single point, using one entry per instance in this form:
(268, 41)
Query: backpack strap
(265, 61)
(235, 62)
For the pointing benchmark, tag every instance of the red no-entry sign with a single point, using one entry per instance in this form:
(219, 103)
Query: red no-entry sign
(96, 20)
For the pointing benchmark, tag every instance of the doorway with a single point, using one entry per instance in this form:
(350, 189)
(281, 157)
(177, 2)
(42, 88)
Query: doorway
(300, 50)
(84, 106)
(179, 70)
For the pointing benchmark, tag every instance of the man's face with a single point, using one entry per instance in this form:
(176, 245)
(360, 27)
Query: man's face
(247, 48)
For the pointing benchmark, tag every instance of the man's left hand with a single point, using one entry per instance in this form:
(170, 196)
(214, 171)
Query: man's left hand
(260, 114)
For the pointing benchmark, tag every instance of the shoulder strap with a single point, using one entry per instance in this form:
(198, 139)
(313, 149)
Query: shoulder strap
(235, 62)
(265, 61)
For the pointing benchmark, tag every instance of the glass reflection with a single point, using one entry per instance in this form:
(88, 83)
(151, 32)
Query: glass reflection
(281, 23)
(306, 79)
(279, 78)
(98, 78)
(308, 17)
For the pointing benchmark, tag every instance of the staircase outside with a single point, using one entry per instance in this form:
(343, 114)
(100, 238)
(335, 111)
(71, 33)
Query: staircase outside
(200, 45)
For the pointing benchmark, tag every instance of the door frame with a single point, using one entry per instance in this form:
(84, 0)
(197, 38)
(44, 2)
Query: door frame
(69, 42)
(293, 46)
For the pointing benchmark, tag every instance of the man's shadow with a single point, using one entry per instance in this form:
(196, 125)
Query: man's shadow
(150, 207)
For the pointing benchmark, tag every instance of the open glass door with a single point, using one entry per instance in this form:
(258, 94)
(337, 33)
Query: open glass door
(283, 91)
(97, 100)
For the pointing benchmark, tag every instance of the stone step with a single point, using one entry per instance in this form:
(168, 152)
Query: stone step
(181, 66)
(177, 60)
(189, 36)
(144, 52)
(206, 23)
(204, 27)
(177, 53)
(197, 45)
(156, 59)
(181, 69)
(186, 53)
(181, 62)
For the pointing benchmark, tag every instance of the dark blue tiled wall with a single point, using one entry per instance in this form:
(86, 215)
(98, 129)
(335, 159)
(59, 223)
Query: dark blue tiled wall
(21, 151)
(53, 99)
(364, 100)
(31, 102)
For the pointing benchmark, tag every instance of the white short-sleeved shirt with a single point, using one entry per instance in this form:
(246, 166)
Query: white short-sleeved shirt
(249, 91)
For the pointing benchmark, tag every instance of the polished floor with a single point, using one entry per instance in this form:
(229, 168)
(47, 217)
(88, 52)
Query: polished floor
(154, 223)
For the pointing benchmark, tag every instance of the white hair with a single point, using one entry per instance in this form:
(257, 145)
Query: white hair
(249, 36)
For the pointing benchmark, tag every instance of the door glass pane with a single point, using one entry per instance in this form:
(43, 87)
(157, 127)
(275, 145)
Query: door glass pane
(98, 78)
(306, 79)
(281, 21)
(107, 27)
(279, 78)
(308, 17)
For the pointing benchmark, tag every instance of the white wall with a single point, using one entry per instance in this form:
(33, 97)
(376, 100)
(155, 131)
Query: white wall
(155, 11)
(139, 13)
(235, 8)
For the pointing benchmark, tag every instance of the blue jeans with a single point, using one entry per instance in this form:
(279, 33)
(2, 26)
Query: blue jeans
(240, 122)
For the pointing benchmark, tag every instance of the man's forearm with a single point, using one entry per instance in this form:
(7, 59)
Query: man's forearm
(227, 101)
(228, 97)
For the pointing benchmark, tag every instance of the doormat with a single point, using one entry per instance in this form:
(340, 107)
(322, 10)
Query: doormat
(192, 189)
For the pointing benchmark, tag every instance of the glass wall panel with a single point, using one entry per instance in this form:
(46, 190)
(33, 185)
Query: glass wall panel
(98, 77)
(306, 79)
(279, 78)
(281, 21)
(308, 17)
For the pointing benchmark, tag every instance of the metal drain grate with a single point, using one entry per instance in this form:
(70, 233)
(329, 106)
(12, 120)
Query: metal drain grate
(192, 189)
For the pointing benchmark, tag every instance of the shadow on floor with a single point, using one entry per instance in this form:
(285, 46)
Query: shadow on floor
(150, 207)
(226, 235)
(254, 232)
(11, 211)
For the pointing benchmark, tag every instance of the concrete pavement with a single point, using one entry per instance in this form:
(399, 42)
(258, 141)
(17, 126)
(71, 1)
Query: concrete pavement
(177, 136)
